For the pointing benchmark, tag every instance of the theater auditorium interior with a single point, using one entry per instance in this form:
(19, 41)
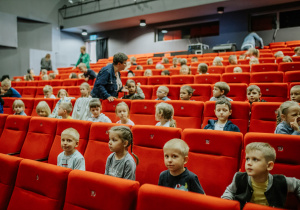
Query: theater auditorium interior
(87, 54)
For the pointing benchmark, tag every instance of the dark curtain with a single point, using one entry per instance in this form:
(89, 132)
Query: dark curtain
(101, 48)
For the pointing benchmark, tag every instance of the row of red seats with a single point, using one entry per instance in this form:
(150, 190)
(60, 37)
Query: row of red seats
(188, 114)
(55, 82)
(214, 155)
(292, 44)
(32, 185)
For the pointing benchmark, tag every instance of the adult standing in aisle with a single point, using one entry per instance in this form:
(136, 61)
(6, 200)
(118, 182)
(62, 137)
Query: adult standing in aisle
(83, 58)
(46, 63)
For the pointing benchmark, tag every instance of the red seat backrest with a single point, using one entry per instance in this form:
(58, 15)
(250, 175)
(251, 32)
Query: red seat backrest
(292, 76)
(29, 92)
(142, 112)
(202, 92)
(245, 68)
(273, 92)
(174, 91)
(263, 117)
(264, 77)
(7, 107)
(238, 92)
(50, 102)
(69, 82)
(2, 122)
(214, 157)
(108, 108)
(42, 83)
(262, 67)
(149, 141)
(39, 184)
(39, 92)
(56, 82)
(266, 60)
(182, 79)
(139, 79)
(99, 196)
(83, 128)
(147, 90)
(159, 80)
(293, 66)
(236, 77)
(216, 69)
(73, 91)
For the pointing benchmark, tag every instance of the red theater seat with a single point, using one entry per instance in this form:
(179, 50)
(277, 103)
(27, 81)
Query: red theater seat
(147, 90)
(56, 82)
(139, 79)
(263, 117)
(108, 108)
(238, 92)
(216, 69)
(214, 157)
(174, 92)
(264, 67)
(39, 92)
(253, 206)
(159, 80)
(74, 91)
(293, 66)
(69, 82)
(39, 138)
(39, 185)
(266, 60)
(202, 92)
(7, 107)
(142, 112)
(239, 116)
(87, 190)
(83, 128)
(29, 92)
(9, 168)
(188, 114)
(2, 122)
(148, 146)
(264, 77)
(42, 83)
(245, 68)
(32, 83)
(14, 134)
(182, 79)
(236, 77)
(292, 76)
(98, 141)
(161, 198)
(207, 78)
(273, 92)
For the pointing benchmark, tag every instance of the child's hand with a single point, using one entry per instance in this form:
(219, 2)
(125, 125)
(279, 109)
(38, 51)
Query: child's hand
(295, 125)
(138, 84)
(125, 89)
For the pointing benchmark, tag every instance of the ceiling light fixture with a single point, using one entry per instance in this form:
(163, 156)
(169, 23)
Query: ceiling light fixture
(142, 22)
(84, 32)
(220, 10)
(164, 31)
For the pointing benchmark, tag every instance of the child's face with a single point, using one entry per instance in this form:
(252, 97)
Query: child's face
(295, 95)
(95, 111)
(68, 144)
(162, 73)
(84, 92)
(298, 52)
(158, 116)
(122, 112)
(184, 95)
(115, 143)
(130, 75)
(161, 93)
(131, 88)
(184, 70)
(42, 113)
(5, 88)
(150, 62)
(237, 70)
(256, 164)
(18, 109)
(253, 96)
(60, 111)
(48, 94)
(293, 114)
(174, 161)
(217, 92)
(222, 112)
(62, 94)
(148, 73)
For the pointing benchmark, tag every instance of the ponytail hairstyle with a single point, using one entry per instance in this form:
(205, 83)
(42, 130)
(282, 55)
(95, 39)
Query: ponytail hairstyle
(283, 109)
(167, 112)
(126, 135)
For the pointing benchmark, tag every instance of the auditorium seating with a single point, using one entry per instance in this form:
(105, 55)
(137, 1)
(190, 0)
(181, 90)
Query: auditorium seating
(158, 80)
(2, 122)
(264, 67)
(289, 66)
(216, 69)
(273, 92)
(202, 92)
(266, 77)
(108, 108)
(292, 76)
(236, 78)
(214, 157)
(207, 78)
(174, 91)
(245, 68)
(237, 91)
(160, 198)
(182, 79)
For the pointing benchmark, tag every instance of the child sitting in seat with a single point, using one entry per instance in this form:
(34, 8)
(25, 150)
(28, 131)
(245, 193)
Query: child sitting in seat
(95, 109)
(278, 54)
(162, 93)
(186, 92)
(202, 68)
(134, 91)
(70, 157)
(164, 114)
(7, 90)
(159, 66)
(174, 62)
(48, 92)
(64, 97)
(295, 93)
(64, 110)
(185, 70)
(19, 107)
(120, 163)
(165, 73)
(43, 109)
(223, 111)
(254, 94)
(194, 60)
(221, 89)
(297, 51)
(257, 185)
(130, 74)
(45, 77)
(122, 111)
(177, 176)
(51, 76)
(147, 73)
(252, 53)
(217, 61)
(288, 118)
(139, 67)
(149, 61)
(81, 109)
(232, 60)
(237, 70)
(253, 61)
(287, 59)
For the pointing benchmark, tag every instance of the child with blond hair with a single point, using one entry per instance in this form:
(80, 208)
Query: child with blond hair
(257, 184)
(148, 73)
(159, 66)
(165, 73)
(63, 97)
(252, 53)
(185, 70)
(177, 176)
(237, 70)
(43, 109)
(221, 89)
(19, 107)
(297, 51)
(87, 74)
(202, 68)
(122, 111)
(51, 76)
(81, 109)
(232, 60)
(278, 54)
(48, 92)
(164, 114)
(64, 110)
(174, 63)
(287, 59)
(70, 157)
(217, 61)
(149, 61)
(253, 61)
(7, 90)
(295, 93)
(162, 93)
(134, 91)
(95, 109)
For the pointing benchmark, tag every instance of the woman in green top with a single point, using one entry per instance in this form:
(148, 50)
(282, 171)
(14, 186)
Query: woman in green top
(83, 58)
